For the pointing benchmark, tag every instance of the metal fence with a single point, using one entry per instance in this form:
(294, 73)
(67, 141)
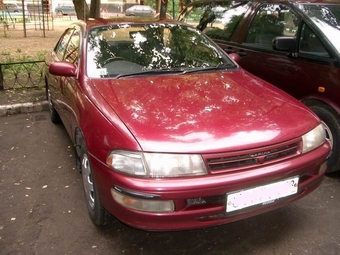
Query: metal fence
(27, 74)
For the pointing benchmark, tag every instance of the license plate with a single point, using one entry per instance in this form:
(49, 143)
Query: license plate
(265, 194)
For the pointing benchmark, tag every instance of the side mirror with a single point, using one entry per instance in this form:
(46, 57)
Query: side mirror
(63, 68)
(284, 43)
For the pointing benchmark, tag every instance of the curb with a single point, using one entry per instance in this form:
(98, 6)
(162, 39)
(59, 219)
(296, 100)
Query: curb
(23, 108)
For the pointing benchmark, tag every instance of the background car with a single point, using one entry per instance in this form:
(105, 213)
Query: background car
(13, 8)
(16, 8)
(304, 60)
(140, 10)
(65, 10)
(171, 136)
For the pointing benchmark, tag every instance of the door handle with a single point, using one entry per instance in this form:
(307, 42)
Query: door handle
(229, 50)
(242, 53)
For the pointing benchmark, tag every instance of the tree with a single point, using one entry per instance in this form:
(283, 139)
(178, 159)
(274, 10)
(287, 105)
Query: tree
(82, 9)
(95, 9)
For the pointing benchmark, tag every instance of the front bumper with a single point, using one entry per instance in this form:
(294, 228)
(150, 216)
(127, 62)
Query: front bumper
(201, 201)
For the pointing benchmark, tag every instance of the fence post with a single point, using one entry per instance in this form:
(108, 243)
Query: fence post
(1, 78)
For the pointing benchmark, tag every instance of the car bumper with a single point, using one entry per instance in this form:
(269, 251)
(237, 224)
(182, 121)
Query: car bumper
(201, 202)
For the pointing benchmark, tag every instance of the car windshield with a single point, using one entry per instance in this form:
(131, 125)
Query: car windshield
(327, 18)
(134, 49)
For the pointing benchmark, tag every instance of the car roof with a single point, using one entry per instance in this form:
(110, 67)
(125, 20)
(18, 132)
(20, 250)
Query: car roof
(139, 5)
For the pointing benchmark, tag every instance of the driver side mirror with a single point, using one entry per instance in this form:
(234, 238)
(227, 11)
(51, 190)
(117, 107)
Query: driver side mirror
(63, 68)
(284, 43)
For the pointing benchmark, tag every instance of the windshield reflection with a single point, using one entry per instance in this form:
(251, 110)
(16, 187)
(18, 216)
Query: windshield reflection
(130, 49)
(327, 18)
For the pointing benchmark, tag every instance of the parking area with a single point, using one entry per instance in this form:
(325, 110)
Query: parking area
(43, 210)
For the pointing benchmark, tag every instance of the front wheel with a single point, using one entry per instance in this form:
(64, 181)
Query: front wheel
(331, 122)
(55, 118)
(97, 212)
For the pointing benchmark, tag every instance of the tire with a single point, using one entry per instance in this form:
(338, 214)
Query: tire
(97, 212)
(331, 122)
(55, 118)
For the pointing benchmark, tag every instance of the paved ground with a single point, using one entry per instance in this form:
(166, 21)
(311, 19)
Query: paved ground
(42, 209)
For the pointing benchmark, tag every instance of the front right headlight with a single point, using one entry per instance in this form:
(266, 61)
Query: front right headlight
(156, 165)
(313, 138)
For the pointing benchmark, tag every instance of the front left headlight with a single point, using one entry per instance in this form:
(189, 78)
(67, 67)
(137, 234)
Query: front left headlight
(313, 138)
(156, 164)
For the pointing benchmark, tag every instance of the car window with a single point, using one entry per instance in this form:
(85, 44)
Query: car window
(326, 17)
(217, 19)
(71, 53)
(272, 20)
(60, 48)
(310, 43)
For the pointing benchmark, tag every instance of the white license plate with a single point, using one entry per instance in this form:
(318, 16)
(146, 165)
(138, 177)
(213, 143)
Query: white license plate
(261, 195)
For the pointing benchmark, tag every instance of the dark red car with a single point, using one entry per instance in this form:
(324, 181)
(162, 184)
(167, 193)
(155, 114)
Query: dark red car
(170, 133)
(294, 45)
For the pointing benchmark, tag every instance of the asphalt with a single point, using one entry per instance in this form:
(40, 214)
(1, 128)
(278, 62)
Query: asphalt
(43, 209)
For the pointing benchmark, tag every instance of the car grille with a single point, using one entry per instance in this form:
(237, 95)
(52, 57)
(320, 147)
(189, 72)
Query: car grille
(252, 158)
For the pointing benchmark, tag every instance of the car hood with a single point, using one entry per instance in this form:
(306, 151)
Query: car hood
(207, 112)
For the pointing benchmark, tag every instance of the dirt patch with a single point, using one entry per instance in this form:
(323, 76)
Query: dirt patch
(37, 42)
(19, 96)
(35, 45)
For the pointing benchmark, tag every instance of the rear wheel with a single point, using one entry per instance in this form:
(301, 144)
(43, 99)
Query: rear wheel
(97, 212)
(331, 122)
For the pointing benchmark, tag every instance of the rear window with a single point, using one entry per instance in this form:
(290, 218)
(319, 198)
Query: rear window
(327, 18)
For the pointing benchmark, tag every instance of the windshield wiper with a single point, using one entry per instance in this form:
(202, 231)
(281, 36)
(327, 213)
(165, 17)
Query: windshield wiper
(180, 70)
(210, 68)
(154, 71)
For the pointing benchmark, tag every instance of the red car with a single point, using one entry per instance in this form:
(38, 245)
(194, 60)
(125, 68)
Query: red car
(294, 45)
(170, 133)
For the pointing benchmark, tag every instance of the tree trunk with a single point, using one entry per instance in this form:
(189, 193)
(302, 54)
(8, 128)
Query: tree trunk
(82, 9)
(95, 9)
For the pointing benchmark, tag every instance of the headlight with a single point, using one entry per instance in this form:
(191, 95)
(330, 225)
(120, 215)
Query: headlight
(313, 138)
(156, 164)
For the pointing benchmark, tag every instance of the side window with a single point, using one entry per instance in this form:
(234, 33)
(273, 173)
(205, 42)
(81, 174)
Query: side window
(72, 49)
(60, 48)
(226, 22)
(217, 20)
(272, 20)
(310, 43)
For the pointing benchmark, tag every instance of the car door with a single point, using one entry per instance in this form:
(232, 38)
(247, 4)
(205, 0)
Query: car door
(256, 48)
(70, 85)
(62, 88)
(56, 83)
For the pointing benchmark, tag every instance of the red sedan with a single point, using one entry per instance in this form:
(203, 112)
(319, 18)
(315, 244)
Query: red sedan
(170, 133)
